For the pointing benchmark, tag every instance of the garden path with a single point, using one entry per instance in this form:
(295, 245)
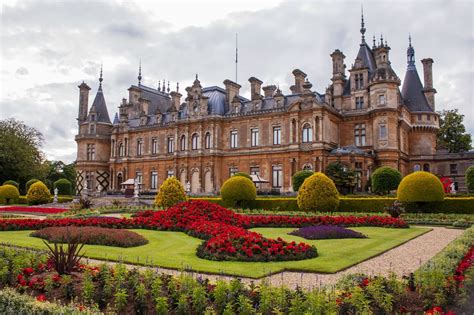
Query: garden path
(401, 260)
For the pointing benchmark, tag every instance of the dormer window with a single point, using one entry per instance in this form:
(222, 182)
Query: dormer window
(359, 81)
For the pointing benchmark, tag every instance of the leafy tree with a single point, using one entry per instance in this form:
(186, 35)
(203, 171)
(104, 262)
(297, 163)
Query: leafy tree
(470, 179)
(57, 170)
(452, 133)
(299, 177)
(344, 177)
(20, 154)
(385, 179)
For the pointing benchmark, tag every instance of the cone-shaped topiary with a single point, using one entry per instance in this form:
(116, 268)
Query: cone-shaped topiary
(9, 193)
(171, 192)
(237, 190)
(385, 179)
(318, 193)
(30, 182)
(420, 187)
(470, 179)
(64, 186)
(38, 194)
(299, 177)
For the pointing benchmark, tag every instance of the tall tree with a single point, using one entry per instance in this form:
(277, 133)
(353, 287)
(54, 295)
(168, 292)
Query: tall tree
(452, 133)
(20, 154)
(344, 177)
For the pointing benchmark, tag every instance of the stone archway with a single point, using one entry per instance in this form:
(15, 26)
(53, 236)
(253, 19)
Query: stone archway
(208, 182)
(195, 182)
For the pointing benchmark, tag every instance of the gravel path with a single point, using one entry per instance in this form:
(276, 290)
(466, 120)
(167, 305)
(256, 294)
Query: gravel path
(402, 260)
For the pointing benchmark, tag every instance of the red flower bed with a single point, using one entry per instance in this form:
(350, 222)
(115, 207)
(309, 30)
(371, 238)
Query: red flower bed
(225, 231)
(23, 209)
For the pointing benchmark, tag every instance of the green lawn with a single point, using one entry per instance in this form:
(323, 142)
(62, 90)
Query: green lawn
(177, 250)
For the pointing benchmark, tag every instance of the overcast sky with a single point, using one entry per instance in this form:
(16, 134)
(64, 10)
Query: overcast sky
(49, 47)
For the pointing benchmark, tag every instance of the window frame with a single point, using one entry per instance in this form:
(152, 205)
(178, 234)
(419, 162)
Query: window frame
(276, 135)
(254, 137)
(195, 141)
(234, 139)
(170, 145)
(307, 133)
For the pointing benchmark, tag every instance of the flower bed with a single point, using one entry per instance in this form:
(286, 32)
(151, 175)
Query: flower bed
(35, 210)
(91, 235)
(222, 229)
(322, 232)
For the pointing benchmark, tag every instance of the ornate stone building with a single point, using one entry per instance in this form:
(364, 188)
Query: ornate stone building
(363, 120)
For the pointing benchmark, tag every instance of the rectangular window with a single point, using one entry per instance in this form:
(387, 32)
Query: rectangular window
(254, 133)
(169, 174)
(170, 145)
(420, 116)
(139, 177)
(453, 168)
(208, 141)
(277, 178)
(92, 129)
(154, 146)
(359, 102)
(359, 135)
(382, 99)
(277, 135)
(233, 139)
(112, 151)
(154, 180)
(255, 170)
(359, 81)
(90, 152)
(358, 165)
(139, 147)
(232, 171)
(383, 132)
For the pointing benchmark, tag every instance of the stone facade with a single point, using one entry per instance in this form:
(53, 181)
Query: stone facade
(363, 120)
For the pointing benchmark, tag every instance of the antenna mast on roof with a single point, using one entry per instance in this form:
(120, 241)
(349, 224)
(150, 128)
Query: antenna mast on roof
(236, 55)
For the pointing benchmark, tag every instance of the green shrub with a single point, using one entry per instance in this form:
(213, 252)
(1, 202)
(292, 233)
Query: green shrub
(243, 174)
(420, 187)
(385, 179)
(470, 179)
(9, 193)
(238, 191)
(13, 183)
(30, 182)
(318, 193)
(170, 193)
(370, 204)
(299, 177)
(64, 186)
(38, 194)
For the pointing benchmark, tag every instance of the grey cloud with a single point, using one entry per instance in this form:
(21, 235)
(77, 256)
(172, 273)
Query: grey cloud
(22, 71)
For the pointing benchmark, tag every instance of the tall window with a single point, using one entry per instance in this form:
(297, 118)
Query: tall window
(154, 180)
(359, 81)
(232, 171)
(92, 128)
(154, 146)
(254, 134)
(182, 143)
(112, 151)
(139, 147)
(195, 141)
(90, 152)
(170, 145)
(359, 102)
(307, 133)
(207, 141)
(170, 173)
(417, 167)
(359, 135)
(453, 168)
(121, 149)
(382, 99)
(139, 177)
(277, 135)
(233, 139)
(383, 132)
(254, 170)
(277, 178)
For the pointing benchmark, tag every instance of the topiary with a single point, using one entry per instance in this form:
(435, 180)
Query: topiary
(238, 190)
(470, 179)
(12, 182)
(420, 191)
(30, 182)
(170, 193)
(64, 186)
(318, 193)
(385, 179)
(38, 194)
(299, 177)
(243, 174)
(9, 193)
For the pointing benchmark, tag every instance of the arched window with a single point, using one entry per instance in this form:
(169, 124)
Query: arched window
(121, 149)
(207, 144)
(307, 133)
(307, 167)
(233, 139)
(426, 167)
(195, 141)
(182, 143)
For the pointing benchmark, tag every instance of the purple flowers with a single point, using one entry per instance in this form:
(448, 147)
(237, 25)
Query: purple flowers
(321, 232)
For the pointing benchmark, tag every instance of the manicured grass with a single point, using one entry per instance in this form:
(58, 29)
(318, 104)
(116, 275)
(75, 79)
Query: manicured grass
(177, 250)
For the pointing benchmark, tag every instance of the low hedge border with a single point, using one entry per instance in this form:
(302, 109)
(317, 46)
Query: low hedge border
(61, 199)
(463, 205)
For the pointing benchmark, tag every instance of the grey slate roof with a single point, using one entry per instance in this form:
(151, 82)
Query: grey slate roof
(116, 119)
(158, 100)
(365, 54)
(412, 93)
(101, 107)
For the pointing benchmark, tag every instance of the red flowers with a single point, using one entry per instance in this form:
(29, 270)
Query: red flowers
(41, 298)
(24, 209)
(466, 262)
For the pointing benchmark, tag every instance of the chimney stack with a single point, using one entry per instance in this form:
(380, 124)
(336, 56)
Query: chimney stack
(269, 90)
(231, 89)
(299, 80)
(83, 101)
(428, 89)
(255, 88)
(176, 99)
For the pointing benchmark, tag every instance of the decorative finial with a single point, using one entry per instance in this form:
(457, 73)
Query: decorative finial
(168, 89)
(140, 73)
(362, 24)
(410, 55)
(381, 40)
(100, 77)
(159, 86)
(409, 40)
(164, 86)
(197, 77)
(177, 87)
(373, 41)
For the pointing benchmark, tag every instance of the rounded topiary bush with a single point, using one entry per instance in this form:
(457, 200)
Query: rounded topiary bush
(470, 179)
(64, 186)
(9, 194)
(30, 182)
(318, 193)
(170, 193)
(243, 174)
(420, 187)
(13, 183)
(385, 179)
(237, 191)
(38, 194)
(299, 177)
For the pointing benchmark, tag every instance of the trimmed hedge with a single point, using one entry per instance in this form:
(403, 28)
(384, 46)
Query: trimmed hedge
(420, 187)
(299, 177)
(38, 194)
(64, 186)
(238, 191)
(243, 174)
(30, 182)
(61, 199)
(170, 193)
(12, 182)
(385, 179)
(318, 193)
(9, 194)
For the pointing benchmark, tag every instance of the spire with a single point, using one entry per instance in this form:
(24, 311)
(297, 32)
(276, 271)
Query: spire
(362, 24)
(140, 73)
(100, 78)
(410, 55)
